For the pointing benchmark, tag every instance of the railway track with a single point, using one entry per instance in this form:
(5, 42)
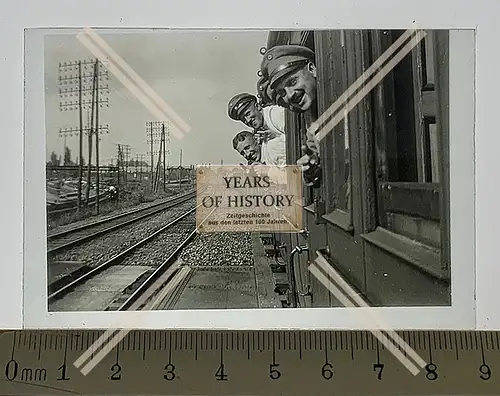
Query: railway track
(148, 255)
(216, 268)
(62, 240)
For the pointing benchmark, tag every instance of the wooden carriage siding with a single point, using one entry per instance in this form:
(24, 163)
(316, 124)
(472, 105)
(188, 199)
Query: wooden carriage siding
(391, 237)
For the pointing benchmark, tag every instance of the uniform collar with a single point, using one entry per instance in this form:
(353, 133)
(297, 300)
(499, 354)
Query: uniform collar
(266, 135)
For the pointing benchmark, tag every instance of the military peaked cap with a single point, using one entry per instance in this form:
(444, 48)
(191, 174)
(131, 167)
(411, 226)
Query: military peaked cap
(264, 91)
(283, 59)
(238, 103)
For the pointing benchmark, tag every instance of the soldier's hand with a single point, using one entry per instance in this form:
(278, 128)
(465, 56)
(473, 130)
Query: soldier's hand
(304, 162)
(310, 167)
(312, 142)
(309, 158)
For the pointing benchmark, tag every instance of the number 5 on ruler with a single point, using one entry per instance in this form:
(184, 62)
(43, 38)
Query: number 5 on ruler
(274, 373)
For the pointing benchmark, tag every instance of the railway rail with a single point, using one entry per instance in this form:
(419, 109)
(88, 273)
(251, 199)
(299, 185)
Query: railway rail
(74, 236)
(145, 296)
(60, 209)
(217, 271)
(149, 252)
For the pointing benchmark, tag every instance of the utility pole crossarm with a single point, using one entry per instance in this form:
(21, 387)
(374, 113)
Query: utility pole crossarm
(79, 79)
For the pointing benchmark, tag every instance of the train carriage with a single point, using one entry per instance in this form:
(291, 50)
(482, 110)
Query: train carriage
(381, 213)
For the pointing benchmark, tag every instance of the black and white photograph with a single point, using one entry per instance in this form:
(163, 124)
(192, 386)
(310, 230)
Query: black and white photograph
(133, 117)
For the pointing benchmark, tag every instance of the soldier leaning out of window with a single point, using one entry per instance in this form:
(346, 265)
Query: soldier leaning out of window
(267, 152)
(246, 108)
(291, 74)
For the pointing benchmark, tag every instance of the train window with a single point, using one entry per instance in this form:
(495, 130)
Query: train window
(341, 144)
(431, 131)
(427, 55)
(333, 78)
(294, 141)
(411, 147)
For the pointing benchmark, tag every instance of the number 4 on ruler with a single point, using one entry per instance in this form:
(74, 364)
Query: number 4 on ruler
(219, 375)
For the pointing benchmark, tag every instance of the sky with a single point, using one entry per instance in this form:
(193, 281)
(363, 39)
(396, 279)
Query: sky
(194, 72)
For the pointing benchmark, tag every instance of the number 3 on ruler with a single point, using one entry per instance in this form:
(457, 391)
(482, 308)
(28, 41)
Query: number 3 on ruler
(170, 372)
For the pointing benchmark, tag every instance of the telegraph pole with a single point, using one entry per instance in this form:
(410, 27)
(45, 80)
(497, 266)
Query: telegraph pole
(152, 154)
(96, 76)
(164, 156)
(68, 89)
(141, 161)
(126, 148)
(80, 152)
(123, 154)
(119, 159)
(180, 170)
(90, 136)
(157, 132)
(157, 176)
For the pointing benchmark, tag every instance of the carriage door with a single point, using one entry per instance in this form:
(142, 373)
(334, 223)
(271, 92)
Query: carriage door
(406, 256)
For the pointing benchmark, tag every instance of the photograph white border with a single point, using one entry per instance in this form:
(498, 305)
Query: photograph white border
(460, 314)
(388, 14)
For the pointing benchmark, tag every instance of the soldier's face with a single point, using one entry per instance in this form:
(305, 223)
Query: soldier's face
(249, 149)
(252, 117)
(297, 91)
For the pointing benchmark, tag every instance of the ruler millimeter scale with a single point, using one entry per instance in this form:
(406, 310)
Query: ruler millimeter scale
(249, 363)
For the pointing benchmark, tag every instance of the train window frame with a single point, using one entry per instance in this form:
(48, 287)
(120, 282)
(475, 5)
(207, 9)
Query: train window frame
(333, 182)
(406, 197)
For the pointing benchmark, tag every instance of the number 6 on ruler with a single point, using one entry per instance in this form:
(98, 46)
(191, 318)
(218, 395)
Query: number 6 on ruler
(327, 371)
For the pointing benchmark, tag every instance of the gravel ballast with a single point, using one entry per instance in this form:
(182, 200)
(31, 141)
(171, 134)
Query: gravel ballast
(219, 249)
(103, 248)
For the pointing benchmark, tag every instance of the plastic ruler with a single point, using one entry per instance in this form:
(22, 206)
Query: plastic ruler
(249, 363)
